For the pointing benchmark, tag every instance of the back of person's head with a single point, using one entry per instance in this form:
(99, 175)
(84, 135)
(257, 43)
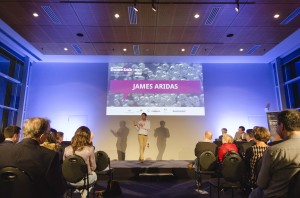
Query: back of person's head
(250, 133)
(9, 131)
(227, 139)
(290, 120)
(59, 136)
(224, 130)
(35, 127)
(208, 135)
(81, 138)
(261, 134)
(242, 128)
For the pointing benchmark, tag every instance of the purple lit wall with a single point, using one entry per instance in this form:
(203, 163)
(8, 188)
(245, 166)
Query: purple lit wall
(71, 95)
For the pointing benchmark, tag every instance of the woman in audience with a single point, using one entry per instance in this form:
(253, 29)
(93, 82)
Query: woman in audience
(254, 153)
(81, 144)
(50, 141)
(227, 145)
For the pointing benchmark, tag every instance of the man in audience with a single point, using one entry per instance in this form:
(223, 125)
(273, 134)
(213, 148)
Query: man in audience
(201, 146)
(240, 134)
(280, 162)
(250, 142)
(11, 134)
(41, 164)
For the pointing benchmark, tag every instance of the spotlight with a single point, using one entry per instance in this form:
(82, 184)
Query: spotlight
(237, 7)
(153, 6)
(134, 6)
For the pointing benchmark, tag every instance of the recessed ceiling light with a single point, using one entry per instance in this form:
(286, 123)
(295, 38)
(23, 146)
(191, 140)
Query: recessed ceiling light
(35, 14)
(66, 49)
(124, 49)
(241, 49)
(196, 16)
(183, 50)
(276, 16)
(117, 15)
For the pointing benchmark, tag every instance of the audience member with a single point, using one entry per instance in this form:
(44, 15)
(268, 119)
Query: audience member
(50, 141)
(240, 135)
(227, 145)
(224, 131)
(59, 137)
(81, 144)
(11, 134)
(280, 162)
(254, 153)
(275, 139)
(204, 145)
(41, 164)
(250, 142)
(2, 138)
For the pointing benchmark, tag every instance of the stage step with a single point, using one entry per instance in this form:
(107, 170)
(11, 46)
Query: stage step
(156, 174)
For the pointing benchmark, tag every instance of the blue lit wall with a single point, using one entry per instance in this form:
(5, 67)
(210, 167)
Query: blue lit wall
(71, 95)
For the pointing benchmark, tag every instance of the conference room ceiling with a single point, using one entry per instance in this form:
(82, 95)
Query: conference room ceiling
(88, 27)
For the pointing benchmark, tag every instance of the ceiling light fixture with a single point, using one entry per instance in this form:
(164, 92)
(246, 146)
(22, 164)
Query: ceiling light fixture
(196, 16)
(276, 16)
(117, 15)
(237, 7)
(35, 14)
(153, 6)
(134, 6)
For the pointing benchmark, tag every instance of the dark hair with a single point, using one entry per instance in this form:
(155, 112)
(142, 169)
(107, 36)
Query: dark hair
(9, 131)
(224, 129)
(250, 132)
(290, 120)
(261, 134)
(144, 114)
(242, 127)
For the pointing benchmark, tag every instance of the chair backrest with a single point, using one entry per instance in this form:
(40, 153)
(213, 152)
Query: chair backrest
(15, 183)
(294, 186)
(232, 167)
(74, 169)
(207, 161)
(102, 161)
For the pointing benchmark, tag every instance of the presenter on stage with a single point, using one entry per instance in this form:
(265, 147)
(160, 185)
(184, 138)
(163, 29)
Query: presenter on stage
(143, 127)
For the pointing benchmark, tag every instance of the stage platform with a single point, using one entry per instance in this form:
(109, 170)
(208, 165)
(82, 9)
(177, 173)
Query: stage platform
(157, 169)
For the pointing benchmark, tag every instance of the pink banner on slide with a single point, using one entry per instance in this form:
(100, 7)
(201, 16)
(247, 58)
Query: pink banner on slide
(155, 86)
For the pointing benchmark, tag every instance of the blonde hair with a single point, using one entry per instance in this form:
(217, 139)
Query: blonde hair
(227, 139)
(35, 127)
(208, 135)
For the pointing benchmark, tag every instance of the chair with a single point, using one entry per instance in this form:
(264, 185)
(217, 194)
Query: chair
(206, 164)
(75, 169)
(231, 171)
(15, 183)
(103, 165)
(294, 186)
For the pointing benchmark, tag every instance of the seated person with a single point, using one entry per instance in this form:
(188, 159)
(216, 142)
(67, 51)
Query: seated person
(280, 162)
(250, 142)
(224, 131)
(254, 153)
(240, 135)
(11, 134)
(201, 146)
(81, 144)
(40, 163)
(227, 145)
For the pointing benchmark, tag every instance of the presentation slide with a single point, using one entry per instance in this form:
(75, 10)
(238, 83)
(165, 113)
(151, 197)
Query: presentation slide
(155, 88)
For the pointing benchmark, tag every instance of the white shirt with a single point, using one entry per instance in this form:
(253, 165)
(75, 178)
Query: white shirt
(144, 129)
